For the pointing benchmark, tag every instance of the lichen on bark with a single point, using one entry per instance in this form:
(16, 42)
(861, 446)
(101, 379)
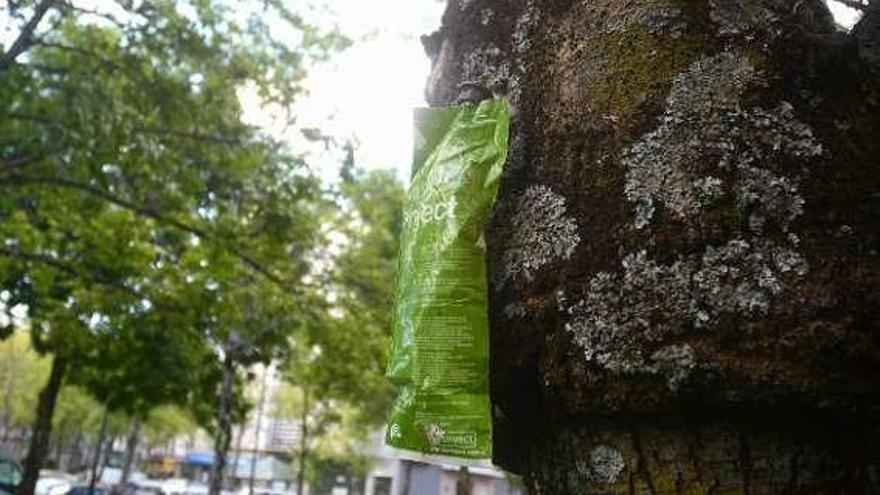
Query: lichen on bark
(542, 233)
(710, 148)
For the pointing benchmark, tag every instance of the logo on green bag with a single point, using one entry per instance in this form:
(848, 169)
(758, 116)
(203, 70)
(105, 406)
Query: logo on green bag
(418, 216)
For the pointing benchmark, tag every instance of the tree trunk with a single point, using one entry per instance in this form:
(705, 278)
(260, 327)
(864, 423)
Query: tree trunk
(75, 462)
(239, 437)
(99, 450)
(223, 436)
(60, 438)
(303, 443)
(463, 483)
(131, 446)
(42, 429)
(257, 429)
(685, 279)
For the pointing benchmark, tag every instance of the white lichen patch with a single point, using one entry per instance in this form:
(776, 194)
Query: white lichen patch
(486, 66)
(487, 16)
(522, 43)
(709, 148)
(542, 232)
(621, 314)
(705, 135)
(606, 464)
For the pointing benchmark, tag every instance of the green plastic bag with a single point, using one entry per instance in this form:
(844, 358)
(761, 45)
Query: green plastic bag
(440, 342)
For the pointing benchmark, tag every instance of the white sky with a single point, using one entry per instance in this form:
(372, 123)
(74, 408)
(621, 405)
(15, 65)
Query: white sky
(367, 92)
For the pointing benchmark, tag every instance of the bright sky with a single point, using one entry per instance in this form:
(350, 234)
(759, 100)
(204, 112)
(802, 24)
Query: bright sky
(366, 93)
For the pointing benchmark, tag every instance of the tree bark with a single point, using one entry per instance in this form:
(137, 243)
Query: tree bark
(25, 37)
(42, 428)
(685, 280)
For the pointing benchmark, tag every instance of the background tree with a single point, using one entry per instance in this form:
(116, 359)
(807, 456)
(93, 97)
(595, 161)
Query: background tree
(684, 250)
(137, 205)
(22, 371)
(335, 372)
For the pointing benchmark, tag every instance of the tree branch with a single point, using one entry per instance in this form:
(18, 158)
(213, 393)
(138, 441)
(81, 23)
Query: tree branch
(18, 161)
(159, 131)
(146, 211)
(80, 51)
(68, 269)
(196, 136)
(109, 17)
(26, 37)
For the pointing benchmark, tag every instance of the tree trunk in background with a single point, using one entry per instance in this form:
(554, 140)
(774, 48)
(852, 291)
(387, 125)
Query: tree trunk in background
(99, 450)
(684, 256)
(131, 446)
(257, 429)
(463, 483)
(75, 462)
(303, 443)
(223, 436)
(42, 429)
(239, 437)
(60, 438)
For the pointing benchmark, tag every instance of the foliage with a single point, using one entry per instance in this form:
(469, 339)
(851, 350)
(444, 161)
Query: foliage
(21, 372)
(149, 231)
(143, 224)
(339, 361)
(165, 423)
(352, 339)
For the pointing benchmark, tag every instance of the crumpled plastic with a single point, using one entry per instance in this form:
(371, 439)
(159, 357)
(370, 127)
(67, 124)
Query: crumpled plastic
(439, 355)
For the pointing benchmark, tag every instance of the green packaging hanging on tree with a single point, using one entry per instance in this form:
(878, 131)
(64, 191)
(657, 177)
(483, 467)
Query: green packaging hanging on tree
(440, 342)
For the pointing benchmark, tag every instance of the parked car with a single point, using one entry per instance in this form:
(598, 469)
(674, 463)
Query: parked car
(147, 487)
(174, 486)
(10, 474)
(54, 483)
(85, 490)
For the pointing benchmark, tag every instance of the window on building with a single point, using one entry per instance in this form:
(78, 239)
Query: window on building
(381, 485)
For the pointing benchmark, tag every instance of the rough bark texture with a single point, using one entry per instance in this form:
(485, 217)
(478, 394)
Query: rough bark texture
(685, 276)
(42, 429)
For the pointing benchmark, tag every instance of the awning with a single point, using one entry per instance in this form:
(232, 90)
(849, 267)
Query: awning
(196, 458)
